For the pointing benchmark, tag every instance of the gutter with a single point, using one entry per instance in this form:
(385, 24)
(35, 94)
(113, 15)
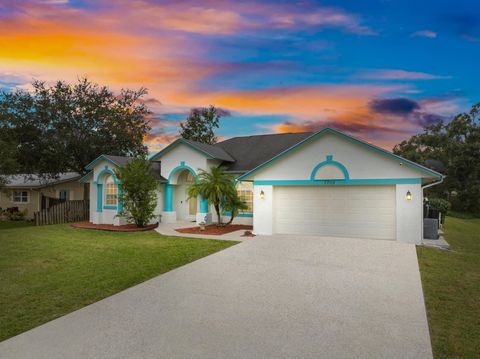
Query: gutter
(427, 186)
(432, 184)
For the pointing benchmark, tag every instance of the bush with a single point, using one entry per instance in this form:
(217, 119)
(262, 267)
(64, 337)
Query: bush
(138, 195)
(441, 205)
(16, 215)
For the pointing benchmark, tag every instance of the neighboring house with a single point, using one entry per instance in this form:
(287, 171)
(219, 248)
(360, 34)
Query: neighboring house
(325, 183)
(31, 193)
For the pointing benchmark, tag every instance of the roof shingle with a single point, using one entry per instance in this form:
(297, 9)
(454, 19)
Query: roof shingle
(251, 151)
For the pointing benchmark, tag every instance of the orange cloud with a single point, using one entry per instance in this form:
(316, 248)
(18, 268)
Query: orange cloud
(302, 102)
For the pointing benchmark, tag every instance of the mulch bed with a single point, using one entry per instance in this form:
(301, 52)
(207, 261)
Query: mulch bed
(112, 228)
(214, 230)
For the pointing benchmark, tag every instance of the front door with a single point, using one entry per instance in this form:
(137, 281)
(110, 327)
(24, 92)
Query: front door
(192, 207)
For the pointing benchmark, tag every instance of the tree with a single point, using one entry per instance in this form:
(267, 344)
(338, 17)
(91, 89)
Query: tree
(233, 204)
(65, 126)
(215, 186)
(457, 145)
(8, 165)
(200, 125)
(138, 191)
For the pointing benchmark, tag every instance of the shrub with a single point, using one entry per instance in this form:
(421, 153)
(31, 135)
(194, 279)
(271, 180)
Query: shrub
(139, 185)
(440, 204)
(16, 215)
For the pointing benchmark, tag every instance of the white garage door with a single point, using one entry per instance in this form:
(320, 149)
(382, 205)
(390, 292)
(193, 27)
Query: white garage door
(336, 211)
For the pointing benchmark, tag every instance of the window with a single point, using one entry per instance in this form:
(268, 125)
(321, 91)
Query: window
(111, 192)
(245, 192)
(20, 196)
(64, 195)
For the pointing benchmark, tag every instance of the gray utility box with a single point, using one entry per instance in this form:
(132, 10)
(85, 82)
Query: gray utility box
(430, 228)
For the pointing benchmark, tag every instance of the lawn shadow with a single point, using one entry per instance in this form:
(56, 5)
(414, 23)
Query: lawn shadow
(14, 224)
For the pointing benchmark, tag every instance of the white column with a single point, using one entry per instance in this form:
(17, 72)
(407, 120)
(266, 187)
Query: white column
(263, 210)
(409, 213)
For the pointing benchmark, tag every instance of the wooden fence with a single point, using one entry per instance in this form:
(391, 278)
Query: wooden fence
(68, 211)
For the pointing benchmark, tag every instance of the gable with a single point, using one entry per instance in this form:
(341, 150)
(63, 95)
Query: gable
(330, 155)
(182, 154)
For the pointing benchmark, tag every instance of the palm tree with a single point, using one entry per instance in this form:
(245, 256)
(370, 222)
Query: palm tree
(233, 203)
(214, 186)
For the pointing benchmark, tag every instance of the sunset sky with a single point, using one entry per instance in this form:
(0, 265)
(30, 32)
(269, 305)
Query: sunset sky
(379, 70)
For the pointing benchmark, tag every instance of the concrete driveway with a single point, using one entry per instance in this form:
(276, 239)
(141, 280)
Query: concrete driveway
(268, 297)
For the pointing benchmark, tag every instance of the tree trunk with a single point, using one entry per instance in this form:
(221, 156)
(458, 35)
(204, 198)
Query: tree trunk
(232, 216)
(217, 209)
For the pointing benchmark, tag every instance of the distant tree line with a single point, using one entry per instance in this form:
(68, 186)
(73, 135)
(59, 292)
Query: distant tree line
(457, 145)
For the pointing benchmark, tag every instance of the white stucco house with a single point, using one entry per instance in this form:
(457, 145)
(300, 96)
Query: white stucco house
(325, 183)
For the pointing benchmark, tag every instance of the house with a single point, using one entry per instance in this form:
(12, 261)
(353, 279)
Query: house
(33, 193)
(325, 183)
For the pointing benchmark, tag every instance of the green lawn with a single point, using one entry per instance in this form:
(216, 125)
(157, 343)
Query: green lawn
(46, 272)
(451, 283)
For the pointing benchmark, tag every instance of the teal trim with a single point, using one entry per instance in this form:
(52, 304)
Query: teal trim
(240, 214)
(245, 214)
(120, 202)
(203, 205)
(99, 158)
(181, 167)
(86, 177)
(99, 197)
(175, 144)
(369, 181)
(109, 207)
(168, 197)
(349, 138)
(110, 172)
(330, 162)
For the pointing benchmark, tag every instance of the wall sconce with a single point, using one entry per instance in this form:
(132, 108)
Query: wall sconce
(262, 194)
(408, 196)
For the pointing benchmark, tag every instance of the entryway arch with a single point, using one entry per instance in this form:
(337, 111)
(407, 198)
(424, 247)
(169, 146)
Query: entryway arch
(177, 203)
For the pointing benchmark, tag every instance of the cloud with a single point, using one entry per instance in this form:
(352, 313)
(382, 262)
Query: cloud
(327, 17)
(425, 33)
(395, 106)
(216, 18)
(427, 119)
(396, 74)
(385, 121)
(466, 26)
(300, 101)
(420, 113)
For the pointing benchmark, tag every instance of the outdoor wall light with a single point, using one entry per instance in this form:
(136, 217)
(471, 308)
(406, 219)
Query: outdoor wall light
(408, 196)
(262, 194)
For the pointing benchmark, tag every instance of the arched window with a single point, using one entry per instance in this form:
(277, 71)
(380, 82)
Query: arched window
(111, 192)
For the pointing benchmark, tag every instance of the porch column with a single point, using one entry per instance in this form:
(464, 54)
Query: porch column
(99, 197)
(203, 216)
(120, 202)
(168, 198)
(168, 214)
(203, 205)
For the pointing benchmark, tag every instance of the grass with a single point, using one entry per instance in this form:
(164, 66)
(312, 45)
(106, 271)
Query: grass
(451, 284)
(49, 271)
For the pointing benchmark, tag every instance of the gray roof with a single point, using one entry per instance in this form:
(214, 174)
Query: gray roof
(33, 181)
(213, 150)
(156, 168)
(119, 160)
(251, 151)
(123, 160)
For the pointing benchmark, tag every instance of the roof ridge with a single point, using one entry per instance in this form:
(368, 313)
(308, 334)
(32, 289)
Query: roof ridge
(268, 134)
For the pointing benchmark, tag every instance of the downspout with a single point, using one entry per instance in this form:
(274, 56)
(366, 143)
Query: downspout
(423, 196)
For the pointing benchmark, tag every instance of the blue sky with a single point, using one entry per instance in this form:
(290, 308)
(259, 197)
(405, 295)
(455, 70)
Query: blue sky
(378, 70)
